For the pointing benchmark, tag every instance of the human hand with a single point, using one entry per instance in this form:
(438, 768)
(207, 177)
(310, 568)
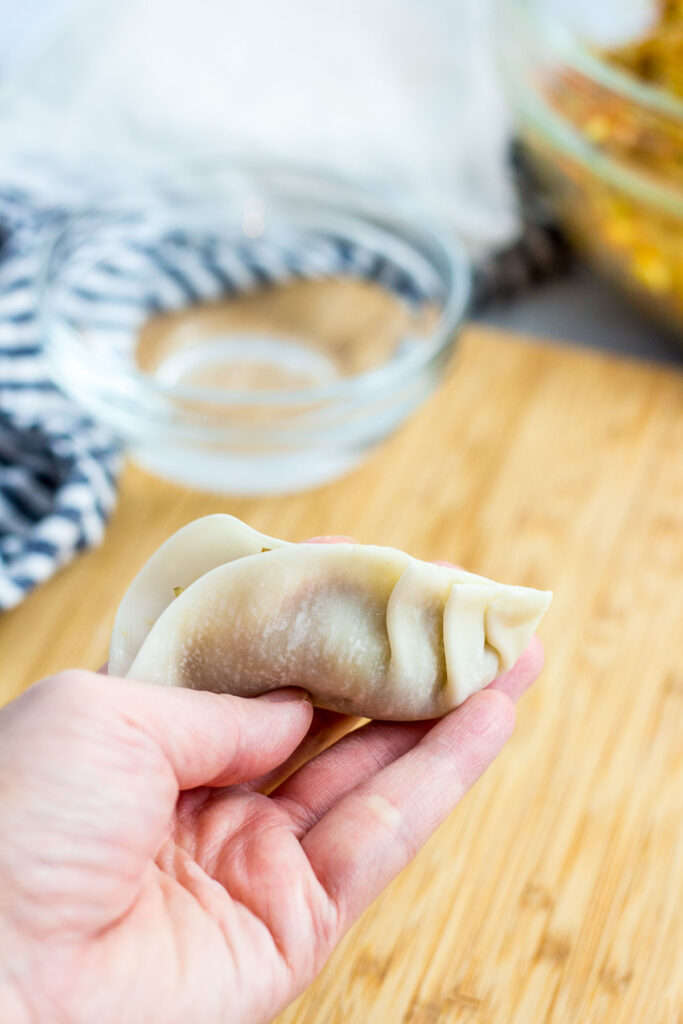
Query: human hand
(145, 876)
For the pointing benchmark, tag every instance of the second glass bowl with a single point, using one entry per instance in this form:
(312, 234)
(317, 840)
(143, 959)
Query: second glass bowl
(606, 146)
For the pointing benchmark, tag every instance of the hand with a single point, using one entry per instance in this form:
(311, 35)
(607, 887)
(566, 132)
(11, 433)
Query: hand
(143, 875)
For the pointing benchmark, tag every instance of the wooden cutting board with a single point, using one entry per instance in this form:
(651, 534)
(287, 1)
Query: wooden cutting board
(554, 892)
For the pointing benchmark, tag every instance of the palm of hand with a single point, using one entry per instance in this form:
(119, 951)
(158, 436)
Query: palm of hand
(231, 918)
(140, 902)
(144, 877)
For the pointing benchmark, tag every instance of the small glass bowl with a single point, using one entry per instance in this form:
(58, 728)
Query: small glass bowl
(606, 147)
(251, 329)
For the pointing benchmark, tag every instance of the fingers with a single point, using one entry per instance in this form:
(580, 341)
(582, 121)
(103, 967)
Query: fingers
(317, 786)
(219, 740)
(312, 790)
(372, 833)
(208, 739)
(326, 728)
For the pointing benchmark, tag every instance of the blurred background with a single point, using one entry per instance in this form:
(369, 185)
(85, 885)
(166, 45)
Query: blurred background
(411, 95)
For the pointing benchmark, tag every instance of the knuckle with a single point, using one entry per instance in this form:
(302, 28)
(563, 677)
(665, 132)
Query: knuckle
(381, 812)
(451, 760)
(71, 688)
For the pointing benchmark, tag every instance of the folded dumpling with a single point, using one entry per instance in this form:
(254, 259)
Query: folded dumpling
(366, 630)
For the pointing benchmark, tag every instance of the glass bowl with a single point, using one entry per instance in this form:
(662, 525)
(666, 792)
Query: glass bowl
(251, 329)
(605, 145)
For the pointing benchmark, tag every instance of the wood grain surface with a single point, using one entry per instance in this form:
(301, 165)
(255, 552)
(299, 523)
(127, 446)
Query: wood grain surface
(554, 892)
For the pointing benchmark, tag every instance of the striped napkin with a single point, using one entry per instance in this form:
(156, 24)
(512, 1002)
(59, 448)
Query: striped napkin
(57, 469)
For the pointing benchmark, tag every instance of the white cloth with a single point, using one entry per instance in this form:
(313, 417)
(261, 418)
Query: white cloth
(402, 91)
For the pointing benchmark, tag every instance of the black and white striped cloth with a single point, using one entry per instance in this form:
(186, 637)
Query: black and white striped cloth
(58, 469)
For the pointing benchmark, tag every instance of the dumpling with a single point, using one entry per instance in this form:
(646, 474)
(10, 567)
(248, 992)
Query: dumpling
(366, 630)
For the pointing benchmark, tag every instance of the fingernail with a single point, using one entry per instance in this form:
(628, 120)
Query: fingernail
(289, 694)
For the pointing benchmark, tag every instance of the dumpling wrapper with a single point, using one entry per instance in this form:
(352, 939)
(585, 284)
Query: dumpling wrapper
(366, 630)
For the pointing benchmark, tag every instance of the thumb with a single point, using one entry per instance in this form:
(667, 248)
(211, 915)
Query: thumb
(212, 739)
(90, 769)
(207, 739)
